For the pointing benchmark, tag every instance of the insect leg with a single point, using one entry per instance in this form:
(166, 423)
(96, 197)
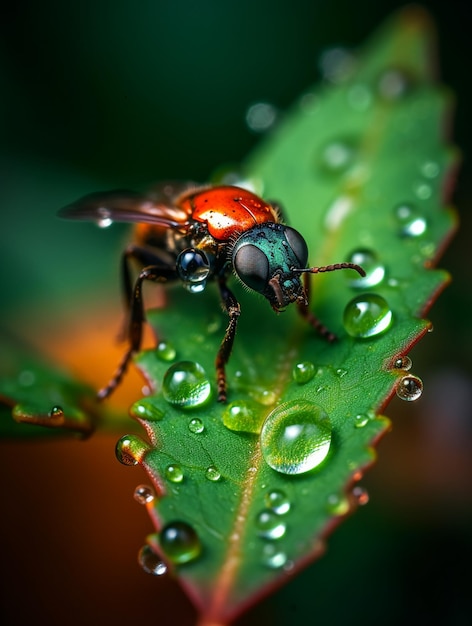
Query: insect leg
(155, 273)
(306, 313)
(233, 309)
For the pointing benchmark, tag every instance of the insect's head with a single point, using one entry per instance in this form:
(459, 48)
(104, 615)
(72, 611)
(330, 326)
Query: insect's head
(266, 259)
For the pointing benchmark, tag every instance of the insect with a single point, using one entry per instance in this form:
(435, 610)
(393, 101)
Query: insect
(198, 234)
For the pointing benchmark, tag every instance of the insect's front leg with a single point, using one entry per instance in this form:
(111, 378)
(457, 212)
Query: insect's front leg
(306, 313)
(155, 273)
(233, 309)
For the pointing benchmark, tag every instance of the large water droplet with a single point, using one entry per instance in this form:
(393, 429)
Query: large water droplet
(174, 473)
(337, 156)
(366, 316)
(409, 388)
(243, 416)
(180, 542)
(261, 116)
(278, 502)
(186, 385)
(295, 437)
(130, 449)
(412, 222)
(150, 562)
(374, 270)
(144, 494)
(165, 351)
(269, 525)
(303, 372)
(146, 409)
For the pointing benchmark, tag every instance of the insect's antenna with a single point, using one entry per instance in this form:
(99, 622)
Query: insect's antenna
(330, 268)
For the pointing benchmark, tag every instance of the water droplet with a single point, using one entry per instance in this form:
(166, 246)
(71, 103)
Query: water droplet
(366, 316)
(403, 363)
(337, 156)
(309, 103)
(243, 416)
(303, 372)
(273, 557)
(430, 169)
(196, 426)
(180, 542)
(26, 378)
(374, 270)
(340, 372)
(412, 222)
(212, 474)
(361, 495)
(56, 412)
(261, 116)
(337, 505)
(186, 385)
(165, 351)
(361, 420)
(423, 191)
(174, 473)
(394, 84)
(130, 449)
(150, 562)
(337, 212)
(337, 64)
(146, 409)
(144, 494)
(295, 437)
(269, 525)
(409, 388)
(278, 502)
(360, 97)
(104, 220)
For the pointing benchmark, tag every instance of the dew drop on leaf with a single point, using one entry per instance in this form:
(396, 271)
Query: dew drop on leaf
(150, 562)
(26, 378)
(130, 449)
(360, 97)
(336, 156)
(361, 420)
(146, 409)
(337, 505)
(374, 270)
(56, 412)
(278, 502)
(430, 169)
(273, 557)
(403, 363)
(394, 84)
(174, 473)
(269, 525)
(261, 116)
(165, 351)
(411, 222)
(295, 437)
(409, 388)
(186, 385)
(242, 416)
(180, 542)
(303, 372)
(366, 316)
(144, 494)
(196, 426)
(361, 495)
(212, 474)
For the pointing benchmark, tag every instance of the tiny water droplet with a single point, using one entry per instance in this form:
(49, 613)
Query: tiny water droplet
(430, 169)
(337, 156)
(337, 505)
(56, 412)
(409, 388)
(180, 542)
(196, 426)
(360, 97)
(361, 495)
(403, 363)
(337, 212)
(422, 190)
(186, 385)
(130, 449)
(295, 437)
(212, 474)
(243, 416)
(412, 223)
(309, 103)
(340, 372)
(361, 420)
(366, 316)
(165, 351)
(150, 562)
(261, 116)
(337, 64)
(146, 409)
(394, 84)
(104, 220)
(144, 494)
(26, 378)
(374, 270)
(269, 525)
(273, 557)
(278, 502)
(303, 372)
(174, 473)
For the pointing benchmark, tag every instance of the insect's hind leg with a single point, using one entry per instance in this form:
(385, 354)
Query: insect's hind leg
(134, 331)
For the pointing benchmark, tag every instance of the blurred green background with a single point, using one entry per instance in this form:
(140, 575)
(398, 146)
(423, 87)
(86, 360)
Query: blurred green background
(119, 94)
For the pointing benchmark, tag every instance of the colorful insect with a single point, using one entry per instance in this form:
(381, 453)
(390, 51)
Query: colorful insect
(200, 234)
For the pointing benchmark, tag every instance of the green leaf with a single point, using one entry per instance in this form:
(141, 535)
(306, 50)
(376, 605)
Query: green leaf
(360, 168)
